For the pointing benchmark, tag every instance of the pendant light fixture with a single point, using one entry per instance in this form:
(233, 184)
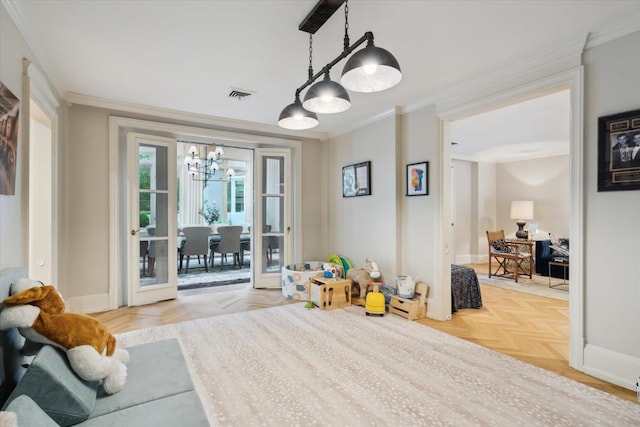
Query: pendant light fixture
(295, 117)
(327, 97)
(371, 69)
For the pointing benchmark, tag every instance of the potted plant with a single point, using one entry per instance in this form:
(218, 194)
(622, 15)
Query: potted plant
(210, 213)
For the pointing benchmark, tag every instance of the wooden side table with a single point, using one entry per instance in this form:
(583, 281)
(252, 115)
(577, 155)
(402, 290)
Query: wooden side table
(565, 268)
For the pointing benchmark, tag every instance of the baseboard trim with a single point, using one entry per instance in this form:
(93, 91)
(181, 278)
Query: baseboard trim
(463, 259)
(88, 303)
(616, 368)
(471, 259)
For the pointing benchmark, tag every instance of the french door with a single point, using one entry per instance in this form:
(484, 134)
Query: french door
(272, 238)
(152, 219)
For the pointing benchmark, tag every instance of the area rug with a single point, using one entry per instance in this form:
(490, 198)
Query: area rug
(527, 286)
(290, 365)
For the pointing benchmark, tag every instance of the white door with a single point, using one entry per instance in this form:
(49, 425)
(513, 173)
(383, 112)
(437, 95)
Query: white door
(152, 199)
(272, 238)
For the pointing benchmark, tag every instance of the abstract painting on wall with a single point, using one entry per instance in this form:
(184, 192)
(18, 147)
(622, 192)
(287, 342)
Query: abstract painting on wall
(9, 109)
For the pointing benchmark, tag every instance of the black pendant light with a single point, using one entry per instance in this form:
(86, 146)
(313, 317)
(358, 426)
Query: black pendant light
(371, 69)
(295, 117)
(327, 97)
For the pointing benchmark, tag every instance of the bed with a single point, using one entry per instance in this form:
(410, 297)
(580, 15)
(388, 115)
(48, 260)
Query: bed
(465, 289)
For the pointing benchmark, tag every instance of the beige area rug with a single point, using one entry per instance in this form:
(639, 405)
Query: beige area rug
(290, 366)
(539, 286)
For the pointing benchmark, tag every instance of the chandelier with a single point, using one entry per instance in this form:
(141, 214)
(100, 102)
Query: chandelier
(206, 169)
(371, 69)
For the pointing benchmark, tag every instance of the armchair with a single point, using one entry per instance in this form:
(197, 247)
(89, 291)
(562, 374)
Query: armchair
(510, 258)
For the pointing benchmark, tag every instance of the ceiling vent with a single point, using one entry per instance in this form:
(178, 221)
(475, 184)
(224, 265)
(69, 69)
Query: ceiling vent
(239, 94)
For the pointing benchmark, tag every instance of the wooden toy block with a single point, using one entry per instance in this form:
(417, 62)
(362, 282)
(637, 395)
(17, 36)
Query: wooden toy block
(412, 309)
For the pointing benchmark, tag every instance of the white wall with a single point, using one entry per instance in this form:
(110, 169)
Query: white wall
(543, 180)
(13, 209)
(365, 226)
(487, 202)
(484, 192)
(464, 210)
(612, 270)
(397, 231)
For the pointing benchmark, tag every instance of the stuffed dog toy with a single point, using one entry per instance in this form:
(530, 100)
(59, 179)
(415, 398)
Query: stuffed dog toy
(38, 313)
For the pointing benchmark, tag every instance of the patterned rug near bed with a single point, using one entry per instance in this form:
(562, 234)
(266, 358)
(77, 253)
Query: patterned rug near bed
(289, 365)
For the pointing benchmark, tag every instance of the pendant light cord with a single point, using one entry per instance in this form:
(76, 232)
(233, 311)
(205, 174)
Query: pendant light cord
(346, 26)
(310, 55)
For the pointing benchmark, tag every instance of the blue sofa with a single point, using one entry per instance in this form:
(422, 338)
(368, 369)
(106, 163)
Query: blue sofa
(44, 391)
(544, 254)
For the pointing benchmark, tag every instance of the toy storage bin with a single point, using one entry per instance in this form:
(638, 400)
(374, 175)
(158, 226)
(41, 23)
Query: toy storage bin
(295, 278)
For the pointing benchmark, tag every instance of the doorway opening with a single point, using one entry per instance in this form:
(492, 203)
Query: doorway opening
(215, 189)
(514, 153)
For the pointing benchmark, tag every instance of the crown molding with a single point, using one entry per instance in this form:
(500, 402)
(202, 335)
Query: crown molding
(220, 122)
(14, 9)
(366, 122)
(629, 25)
(565, 56)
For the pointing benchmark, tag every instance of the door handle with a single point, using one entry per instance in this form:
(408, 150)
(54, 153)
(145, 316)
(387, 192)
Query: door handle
(134, 232)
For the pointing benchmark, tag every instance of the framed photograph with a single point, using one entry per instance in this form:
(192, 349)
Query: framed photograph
(356, 180)
(418, 179)
(619, 152)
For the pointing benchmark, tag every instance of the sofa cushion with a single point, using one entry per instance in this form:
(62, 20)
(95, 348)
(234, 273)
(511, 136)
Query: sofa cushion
(183, 409)
(29, 413)
(155, 370)
(55, 388)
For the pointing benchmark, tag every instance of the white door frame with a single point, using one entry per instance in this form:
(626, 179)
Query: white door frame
(119, 126)
(572, 80)
(43, 262)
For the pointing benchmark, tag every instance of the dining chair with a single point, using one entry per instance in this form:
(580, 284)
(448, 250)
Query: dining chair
(196, 242)
(151, 251)
(511, 259)
(229, 244)
(245, 246)
(144, 255)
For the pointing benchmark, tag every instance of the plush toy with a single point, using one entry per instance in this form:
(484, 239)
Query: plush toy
(38, 313)
(330, 270)
(361, 276)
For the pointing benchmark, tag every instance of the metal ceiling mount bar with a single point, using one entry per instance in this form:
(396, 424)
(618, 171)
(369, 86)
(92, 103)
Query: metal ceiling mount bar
(320, 13)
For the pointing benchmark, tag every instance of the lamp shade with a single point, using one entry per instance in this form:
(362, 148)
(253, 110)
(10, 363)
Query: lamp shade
(327, 97)
(371, 69)
(295, 117)
(522, 209)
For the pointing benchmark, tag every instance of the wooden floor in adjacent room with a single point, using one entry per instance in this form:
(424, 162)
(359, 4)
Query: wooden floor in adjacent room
(530, 328)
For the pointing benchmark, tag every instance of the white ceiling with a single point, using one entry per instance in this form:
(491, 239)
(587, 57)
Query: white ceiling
(187, 55)
(534, 128)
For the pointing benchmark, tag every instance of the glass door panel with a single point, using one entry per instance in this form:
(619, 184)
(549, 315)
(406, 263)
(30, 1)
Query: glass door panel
(153, 230)
(273, 214)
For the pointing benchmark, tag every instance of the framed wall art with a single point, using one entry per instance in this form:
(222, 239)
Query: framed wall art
(9, 112)
(619, 151)
(356, 180)
(418, 179)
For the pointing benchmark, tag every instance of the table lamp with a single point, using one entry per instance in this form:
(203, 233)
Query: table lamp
(521, 210)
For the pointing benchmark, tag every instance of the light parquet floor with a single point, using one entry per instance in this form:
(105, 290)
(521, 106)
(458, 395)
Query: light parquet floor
(530, 328)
